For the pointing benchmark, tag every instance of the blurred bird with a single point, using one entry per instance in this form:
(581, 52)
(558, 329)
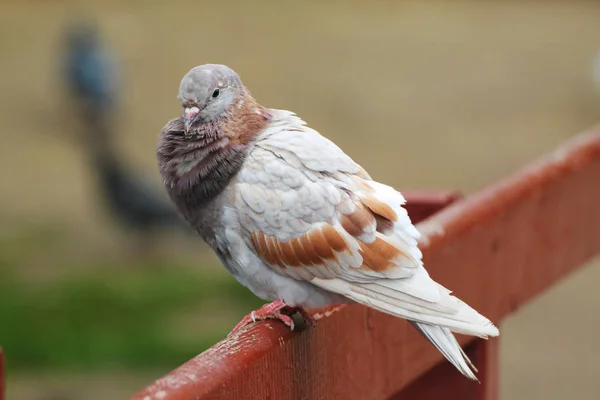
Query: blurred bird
(91, 77)
(90, 71)
(295, 219)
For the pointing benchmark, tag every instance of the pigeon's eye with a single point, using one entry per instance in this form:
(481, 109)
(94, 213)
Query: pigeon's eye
(216, 93)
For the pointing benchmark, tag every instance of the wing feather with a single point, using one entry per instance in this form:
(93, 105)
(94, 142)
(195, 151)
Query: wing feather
(307, 205)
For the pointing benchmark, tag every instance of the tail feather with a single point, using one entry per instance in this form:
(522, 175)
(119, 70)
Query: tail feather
(446, 343)
(435, 320)
(450, 312)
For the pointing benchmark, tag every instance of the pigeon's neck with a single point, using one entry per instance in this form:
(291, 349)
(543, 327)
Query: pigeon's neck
(195, 170)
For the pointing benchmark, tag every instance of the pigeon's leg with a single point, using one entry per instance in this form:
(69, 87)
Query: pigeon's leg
(275, 310)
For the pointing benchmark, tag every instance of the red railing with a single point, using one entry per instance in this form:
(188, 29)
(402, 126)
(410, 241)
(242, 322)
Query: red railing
(496, 249)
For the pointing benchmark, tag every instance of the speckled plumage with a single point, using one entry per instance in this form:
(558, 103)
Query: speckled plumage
(293, 218)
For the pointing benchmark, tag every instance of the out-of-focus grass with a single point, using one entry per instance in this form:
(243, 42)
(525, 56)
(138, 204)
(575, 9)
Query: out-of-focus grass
(115, 316)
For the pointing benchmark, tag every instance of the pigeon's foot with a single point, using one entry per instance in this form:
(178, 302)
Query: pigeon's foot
(275, 310)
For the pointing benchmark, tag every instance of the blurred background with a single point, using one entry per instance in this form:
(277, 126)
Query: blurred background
(100, 294)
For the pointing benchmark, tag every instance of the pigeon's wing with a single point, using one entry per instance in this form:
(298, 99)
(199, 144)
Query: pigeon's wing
(313, 214)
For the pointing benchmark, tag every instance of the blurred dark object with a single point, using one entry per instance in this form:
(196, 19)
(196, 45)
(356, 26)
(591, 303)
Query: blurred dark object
(132, 199)
(91, 77)
(90, 71)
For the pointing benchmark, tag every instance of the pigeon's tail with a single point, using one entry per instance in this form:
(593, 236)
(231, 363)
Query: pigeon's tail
(434, 313)
(446, 343)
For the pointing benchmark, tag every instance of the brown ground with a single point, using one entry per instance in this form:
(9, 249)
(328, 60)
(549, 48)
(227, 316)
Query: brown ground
(423, 95)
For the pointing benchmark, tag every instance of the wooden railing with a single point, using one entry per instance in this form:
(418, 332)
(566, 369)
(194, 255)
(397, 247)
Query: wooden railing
(496, 249)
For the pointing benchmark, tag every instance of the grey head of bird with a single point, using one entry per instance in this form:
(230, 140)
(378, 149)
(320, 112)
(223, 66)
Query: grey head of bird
(207, 93)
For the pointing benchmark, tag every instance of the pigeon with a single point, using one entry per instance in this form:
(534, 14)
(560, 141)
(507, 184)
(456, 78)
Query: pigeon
(295, 219)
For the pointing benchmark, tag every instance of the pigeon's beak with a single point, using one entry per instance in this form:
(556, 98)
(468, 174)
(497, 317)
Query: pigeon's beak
(189, 116)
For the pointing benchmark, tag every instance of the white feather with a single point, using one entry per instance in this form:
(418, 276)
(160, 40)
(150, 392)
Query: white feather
(446, 343)
(420, 285)
(450, 312)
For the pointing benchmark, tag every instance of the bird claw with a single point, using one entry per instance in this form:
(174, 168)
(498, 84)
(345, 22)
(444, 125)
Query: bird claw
(286, 319)
(276, 310)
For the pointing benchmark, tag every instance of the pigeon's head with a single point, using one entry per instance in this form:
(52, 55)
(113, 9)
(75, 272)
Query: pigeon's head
(207, 92)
